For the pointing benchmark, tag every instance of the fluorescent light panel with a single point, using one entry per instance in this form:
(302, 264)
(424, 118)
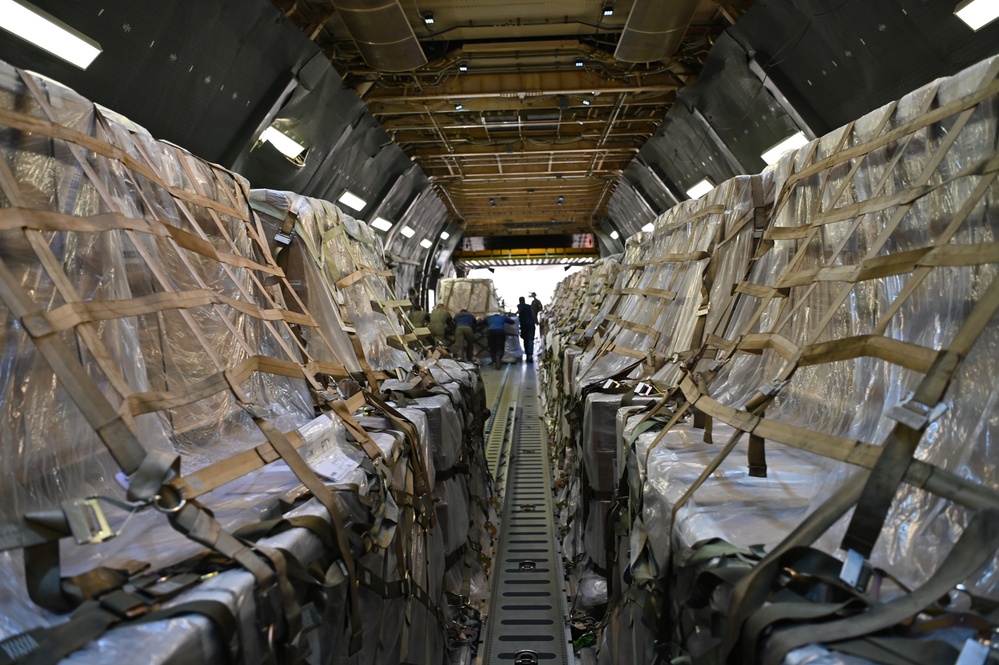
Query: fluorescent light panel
(790, 143)
(48, 33)
(700, 189)
(614, 235)
(445, 235)
(977, 13)
(649, 228)
(381, 224)
(408, 232)
(288, 146)
(348, 198)
(426, 244)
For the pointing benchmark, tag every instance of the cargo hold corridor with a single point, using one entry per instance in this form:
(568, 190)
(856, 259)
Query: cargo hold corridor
(526, 620)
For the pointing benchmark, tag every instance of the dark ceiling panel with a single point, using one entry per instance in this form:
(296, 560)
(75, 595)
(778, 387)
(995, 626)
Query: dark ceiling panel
(189, 72)
(846, 58)
(746, 117)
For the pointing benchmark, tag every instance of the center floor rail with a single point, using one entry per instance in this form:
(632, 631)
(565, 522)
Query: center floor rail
(527, 618)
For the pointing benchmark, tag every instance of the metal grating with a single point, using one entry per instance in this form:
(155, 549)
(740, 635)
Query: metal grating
(526, 621)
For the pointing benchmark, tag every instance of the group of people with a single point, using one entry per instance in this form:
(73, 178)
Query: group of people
(439, 321)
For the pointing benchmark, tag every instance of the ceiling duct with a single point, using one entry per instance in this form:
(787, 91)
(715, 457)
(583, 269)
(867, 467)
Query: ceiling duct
(382, 34)
(654, 30)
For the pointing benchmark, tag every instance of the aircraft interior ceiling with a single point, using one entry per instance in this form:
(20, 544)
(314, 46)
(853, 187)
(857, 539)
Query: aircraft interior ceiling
(541, 120)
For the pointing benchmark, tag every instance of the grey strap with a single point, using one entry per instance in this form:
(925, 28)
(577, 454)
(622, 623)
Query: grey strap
(977, 544)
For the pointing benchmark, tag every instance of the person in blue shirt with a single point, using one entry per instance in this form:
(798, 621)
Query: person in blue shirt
(527, 323)
(464, 335)
(496, 335)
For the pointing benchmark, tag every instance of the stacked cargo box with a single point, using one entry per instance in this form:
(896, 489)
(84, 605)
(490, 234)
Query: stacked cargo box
(845, 361)
(223, 458)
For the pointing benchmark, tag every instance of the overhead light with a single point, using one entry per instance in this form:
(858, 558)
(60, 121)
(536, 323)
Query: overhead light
(445, 235)
(458, 107)
(560, 200)
(790, 143)
(608, 10)
(649, 228)
(48, 33)
(348, 198)
(462, 68)
(579, 62)
(492, 203)
(614, 235)
(287, 146)
(977, 13)
(700, 189)
(428, 18)
(381, 224)
(586, 102)
(408, 232)
(426, 244)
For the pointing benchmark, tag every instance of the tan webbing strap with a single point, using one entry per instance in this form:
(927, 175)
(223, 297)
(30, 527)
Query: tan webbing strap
(73, 314)
(920, 474)
(423, 488)
(53, 130)
(358, 275)
(925, 120)
(897, 452)
(117, 436)
(139, 403)
(216, 475)
(346, 415)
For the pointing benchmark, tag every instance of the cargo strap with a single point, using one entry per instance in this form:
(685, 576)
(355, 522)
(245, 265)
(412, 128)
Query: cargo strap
(977, 544)
(897, 453)
(47, 646)
(325, 495)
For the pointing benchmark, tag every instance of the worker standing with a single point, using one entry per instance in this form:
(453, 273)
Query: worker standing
(464, 335)
(536, 307)
(527, 324)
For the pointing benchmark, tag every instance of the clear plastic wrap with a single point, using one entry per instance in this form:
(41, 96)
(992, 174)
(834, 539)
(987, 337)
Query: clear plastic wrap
(878, 236)
(350, 258)
(478, 296)
(131, 219)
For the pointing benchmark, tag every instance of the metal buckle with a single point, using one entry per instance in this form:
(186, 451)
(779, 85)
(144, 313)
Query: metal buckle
(527, 508)
(772, 388)
(527, 566)
(525, 657)
(916, 415)
(255, 410)
(87, 521)
(853, 569)
(283, 238)
(973, 653)
(169, 500)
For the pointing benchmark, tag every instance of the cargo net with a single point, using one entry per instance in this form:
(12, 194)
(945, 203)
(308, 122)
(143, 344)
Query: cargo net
(832, 323)
(172, 405)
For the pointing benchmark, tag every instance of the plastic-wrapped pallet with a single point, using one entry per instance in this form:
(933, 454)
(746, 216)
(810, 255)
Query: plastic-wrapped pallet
(343, 257)
(478, 296)
(864, 337)
(152, 376)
